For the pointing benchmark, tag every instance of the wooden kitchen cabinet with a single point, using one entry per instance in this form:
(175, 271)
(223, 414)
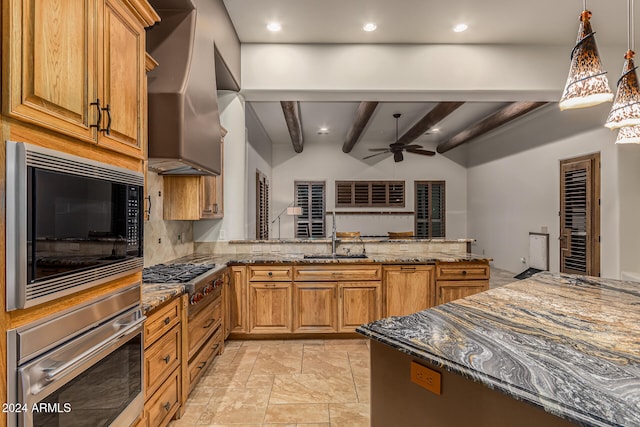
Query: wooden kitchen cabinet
(79, 69)
(194, 197)
(407, 289)
(456, 280)
(314, 307)
(236, 302)
(358, 303)
(163, 364)
(269, 307)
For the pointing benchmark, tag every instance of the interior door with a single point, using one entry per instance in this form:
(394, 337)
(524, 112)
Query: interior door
(580, 215)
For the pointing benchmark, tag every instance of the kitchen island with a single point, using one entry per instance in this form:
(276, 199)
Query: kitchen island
(551, 350)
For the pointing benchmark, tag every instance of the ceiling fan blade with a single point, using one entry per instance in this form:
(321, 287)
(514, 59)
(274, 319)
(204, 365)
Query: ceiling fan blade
(377, 154)
(412, 146)
(420, 151)
(378, 149)
(397, 156)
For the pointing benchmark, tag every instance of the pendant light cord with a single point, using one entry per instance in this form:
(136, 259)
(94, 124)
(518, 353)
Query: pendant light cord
(630, 23)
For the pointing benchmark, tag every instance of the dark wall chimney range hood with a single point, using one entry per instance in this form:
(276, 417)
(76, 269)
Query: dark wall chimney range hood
(184, 122)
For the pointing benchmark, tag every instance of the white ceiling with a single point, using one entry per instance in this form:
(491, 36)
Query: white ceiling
(546, 22)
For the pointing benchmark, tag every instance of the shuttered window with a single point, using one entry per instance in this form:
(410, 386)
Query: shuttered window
(430, 209)
(262, 206)
(310, 196)
(351, 194)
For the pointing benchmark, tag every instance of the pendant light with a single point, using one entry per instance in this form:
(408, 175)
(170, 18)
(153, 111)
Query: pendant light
(626, 107)
(587, 83)
(628, 135)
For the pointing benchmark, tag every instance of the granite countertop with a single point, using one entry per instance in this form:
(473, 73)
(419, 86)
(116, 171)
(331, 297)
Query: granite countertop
(371, 239)
(155, 294)
(569, 344)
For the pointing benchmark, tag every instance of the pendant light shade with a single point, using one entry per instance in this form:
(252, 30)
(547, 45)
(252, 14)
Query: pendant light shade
(587, 83)
(626, 107)
(628, 135)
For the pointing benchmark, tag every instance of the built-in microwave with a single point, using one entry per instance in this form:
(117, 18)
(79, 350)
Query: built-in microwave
(71, 224)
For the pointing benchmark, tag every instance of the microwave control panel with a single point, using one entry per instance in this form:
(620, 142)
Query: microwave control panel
(133, 216)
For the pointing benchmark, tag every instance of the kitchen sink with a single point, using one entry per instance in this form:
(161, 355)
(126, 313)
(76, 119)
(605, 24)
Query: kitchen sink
(337, 256)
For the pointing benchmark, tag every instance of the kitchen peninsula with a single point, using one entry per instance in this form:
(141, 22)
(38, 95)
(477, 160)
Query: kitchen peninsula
(551, 350)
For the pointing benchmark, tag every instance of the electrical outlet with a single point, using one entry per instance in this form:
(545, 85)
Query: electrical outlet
(159, 240)
(222, 235)
(179, 237)
(404, 248)
(275, 248)
(256, 249)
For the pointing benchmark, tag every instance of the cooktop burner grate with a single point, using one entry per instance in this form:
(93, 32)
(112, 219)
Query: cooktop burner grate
(174, 273)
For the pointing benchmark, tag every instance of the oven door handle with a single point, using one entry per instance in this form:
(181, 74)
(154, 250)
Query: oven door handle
(128, 328)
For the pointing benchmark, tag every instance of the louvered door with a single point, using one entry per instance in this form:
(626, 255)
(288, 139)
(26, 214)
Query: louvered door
(580, 215)
(310, 197)
(430, 209)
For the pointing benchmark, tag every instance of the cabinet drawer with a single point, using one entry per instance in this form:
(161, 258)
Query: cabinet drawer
(451, 290)
(161, 359)
(159, 410)
(462, 271)
(198, 365)
(203, 324)
(161, 321)
(264, 273)
(336, 272)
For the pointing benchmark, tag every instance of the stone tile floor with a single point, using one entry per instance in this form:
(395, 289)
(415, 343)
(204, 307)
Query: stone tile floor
(289, 383)
(286, 383)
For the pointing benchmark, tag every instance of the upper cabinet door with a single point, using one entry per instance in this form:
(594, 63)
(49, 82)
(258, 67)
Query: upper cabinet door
(52, 65)
(122, 80)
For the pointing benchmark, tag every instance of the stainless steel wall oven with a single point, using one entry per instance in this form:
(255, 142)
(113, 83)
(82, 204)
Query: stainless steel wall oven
(72, 223)
(81, 367)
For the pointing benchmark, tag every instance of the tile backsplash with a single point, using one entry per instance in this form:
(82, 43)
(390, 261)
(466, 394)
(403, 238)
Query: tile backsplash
(164, 240)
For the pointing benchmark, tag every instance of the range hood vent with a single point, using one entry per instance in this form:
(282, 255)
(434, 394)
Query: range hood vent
(184, 122)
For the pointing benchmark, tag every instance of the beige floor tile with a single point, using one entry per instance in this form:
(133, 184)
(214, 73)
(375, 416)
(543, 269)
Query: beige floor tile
(260, 381)
(201, 394)
(235, 406)
(190, 417)
(349, 414)
(363, 388)
(284, 359)
(314, 425)
(253, 343)
(297, 413)
(312, 388)
(322, 362)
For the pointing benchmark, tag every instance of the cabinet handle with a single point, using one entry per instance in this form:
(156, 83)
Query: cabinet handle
(166, 359)
(215, 347)
(270, 285)
(215, 208)
(148, 199)
(207, 210)
(97, 104)
(167, 406)
(270, 274)
(167, 320)
(107, 130)
(208, 325)
(464, 272)
(202, 365)
(410, 269)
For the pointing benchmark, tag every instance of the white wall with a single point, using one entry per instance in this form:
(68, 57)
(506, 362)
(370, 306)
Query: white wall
(328, 163)
(520, 193)
(233, 225)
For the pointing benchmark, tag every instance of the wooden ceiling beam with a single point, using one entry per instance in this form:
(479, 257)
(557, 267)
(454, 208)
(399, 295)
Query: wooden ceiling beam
(495, 120)
(364, 113)
(433, 117)
(291, 110)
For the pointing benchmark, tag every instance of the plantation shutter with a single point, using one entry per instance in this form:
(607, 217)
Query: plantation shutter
(429, 209)
(352, 194)
(310, 197)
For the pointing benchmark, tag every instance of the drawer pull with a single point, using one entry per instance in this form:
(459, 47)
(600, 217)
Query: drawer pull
(208, 325)
(202, 365)
(166, 359)
(408, 269)
(464, 272)
(270, 274)
(215, 347)
(270, 285)
(167, 320)
(167, 406)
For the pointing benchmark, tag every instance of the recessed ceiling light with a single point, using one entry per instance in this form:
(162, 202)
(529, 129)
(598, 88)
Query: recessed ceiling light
(323, 131)
(369, 26)
(274, 27)
(460, 28)
(434, 130)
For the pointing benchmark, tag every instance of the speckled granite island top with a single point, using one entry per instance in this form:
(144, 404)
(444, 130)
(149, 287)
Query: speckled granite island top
(568, 344)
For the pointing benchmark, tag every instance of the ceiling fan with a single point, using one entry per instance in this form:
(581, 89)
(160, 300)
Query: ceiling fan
(397, 148)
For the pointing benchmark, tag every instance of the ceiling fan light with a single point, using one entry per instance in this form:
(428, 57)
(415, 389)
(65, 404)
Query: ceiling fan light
(626, 107)
(628, 135)
(587, 83)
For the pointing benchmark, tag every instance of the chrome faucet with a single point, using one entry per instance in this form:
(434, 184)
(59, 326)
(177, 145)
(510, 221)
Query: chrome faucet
(333, 236)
